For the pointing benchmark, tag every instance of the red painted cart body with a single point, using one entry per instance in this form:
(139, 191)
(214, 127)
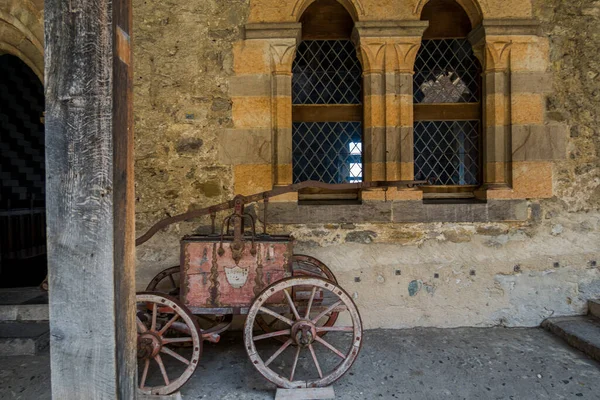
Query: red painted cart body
(213, 282)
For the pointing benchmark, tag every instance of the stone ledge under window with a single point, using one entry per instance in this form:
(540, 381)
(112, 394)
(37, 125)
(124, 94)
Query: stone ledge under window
(410, 211)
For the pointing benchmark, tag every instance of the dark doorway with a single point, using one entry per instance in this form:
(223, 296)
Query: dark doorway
(23, 259)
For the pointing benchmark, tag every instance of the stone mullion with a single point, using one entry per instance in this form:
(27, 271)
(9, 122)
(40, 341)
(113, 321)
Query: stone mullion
(388, 50)
(283, 52)
(496, 130)
(282, 128)
(494, 55)
(374, 151)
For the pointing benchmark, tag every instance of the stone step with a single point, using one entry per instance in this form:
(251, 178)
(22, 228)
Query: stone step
(24, 312)
(581, 332)
(23, 304)
(594, 308)
(23, 338)
(25, 295)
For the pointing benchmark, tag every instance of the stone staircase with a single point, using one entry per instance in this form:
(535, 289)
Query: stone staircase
(581, 332)
(24, 328)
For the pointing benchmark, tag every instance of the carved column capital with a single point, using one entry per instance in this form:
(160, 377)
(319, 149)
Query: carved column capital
(388, 46)
(282, 56)
(494, 55)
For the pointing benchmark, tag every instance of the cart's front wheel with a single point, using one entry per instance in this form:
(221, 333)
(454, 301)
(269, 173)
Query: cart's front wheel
(305, 359)
(162, 324)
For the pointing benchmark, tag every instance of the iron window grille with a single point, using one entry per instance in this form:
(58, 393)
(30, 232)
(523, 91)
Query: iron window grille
(327, 73)
(329, 152)
(447, 151)
(447, 73)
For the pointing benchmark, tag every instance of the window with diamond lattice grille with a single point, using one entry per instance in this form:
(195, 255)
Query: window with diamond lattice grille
(327, 112)
(447, 102)
(327, 103)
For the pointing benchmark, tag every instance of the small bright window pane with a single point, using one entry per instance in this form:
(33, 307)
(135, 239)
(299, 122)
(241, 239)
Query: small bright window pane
(355, 148)
(355, 172)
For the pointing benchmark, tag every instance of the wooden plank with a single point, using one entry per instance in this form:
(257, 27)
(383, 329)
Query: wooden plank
(327, 113)
(305, 394)
(447, 112)
(89, 139)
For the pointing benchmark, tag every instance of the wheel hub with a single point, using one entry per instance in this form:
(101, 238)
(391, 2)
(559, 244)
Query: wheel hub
(148, 345)
(304, 333)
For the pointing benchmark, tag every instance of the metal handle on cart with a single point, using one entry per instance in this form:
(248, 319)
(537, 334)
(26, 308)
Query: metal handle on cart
(241, 200)
(237, 246)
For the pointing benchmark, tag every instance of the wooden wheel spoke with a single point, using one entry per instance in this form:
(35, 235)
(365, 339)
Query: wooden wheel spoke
(272, 334)
(144, 374)
(173, 281)
(276, 315)
(163, 371)
(170, 352)
(327, 311)
(330, 347)
(141, 327)
(291, 303)
(278, 352)
(154, 314)
(168, 324)
(295, 363)
(314, 357)
(177, 340)
(335, 329)
(310, 301)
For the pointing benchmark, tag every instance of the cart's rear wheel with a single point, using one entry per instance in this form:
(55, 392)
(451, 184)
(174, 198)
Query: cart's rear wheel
(167, 281)
(310, 360)
(302, 266)
(163, 323)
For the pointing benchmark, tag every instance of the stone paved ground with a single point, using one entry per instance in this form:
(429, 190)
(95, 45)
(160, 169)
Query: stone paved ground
(423, 364)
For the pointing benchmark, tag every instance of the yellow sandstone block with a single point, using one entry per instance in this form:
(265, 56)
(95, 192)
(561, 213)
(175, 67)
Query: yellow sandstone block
(531, 180)
(529, 53)
(527, 109)
(252, 178)
(495, 109)
(251, 112)
(251, 57)
(374, 111)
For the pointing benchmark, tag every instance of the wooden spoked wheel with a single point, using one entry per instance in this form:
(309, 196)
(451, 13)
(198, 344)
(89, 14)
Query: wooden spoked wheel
(168, 282)
(305, 359)
(163, 323)
(302, 266)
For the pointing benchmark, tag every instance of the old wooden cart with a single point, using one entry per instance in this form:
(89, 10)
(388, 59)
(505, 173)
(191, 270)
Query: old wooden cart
(291, 300)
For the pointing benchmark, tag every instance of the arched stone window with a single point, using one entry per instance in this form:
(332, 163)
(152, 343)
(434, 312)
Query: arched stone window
(327, 101)
(447, 101)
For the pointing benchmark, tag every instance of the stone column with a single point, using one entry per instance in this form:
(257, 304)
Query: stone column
(494, 56)
(388, 51)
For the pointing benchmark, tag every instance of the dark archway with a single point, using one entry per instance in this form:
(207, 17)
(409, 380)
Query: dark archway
(23, 260)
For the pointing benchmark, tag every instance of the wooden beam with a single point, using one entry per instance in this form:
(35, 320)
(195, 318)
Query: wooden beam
(327, 113)
(447, 112)
(90, 199)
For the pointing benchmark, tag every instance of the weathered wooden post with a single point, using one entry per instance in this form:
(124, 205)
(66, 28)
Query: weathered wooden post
(90, 199)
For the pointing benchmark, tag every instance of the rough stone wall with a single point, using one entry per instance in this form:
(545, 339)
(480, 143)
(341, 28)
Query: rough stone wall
(183, 61)
(401, 275)
(575, 36)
